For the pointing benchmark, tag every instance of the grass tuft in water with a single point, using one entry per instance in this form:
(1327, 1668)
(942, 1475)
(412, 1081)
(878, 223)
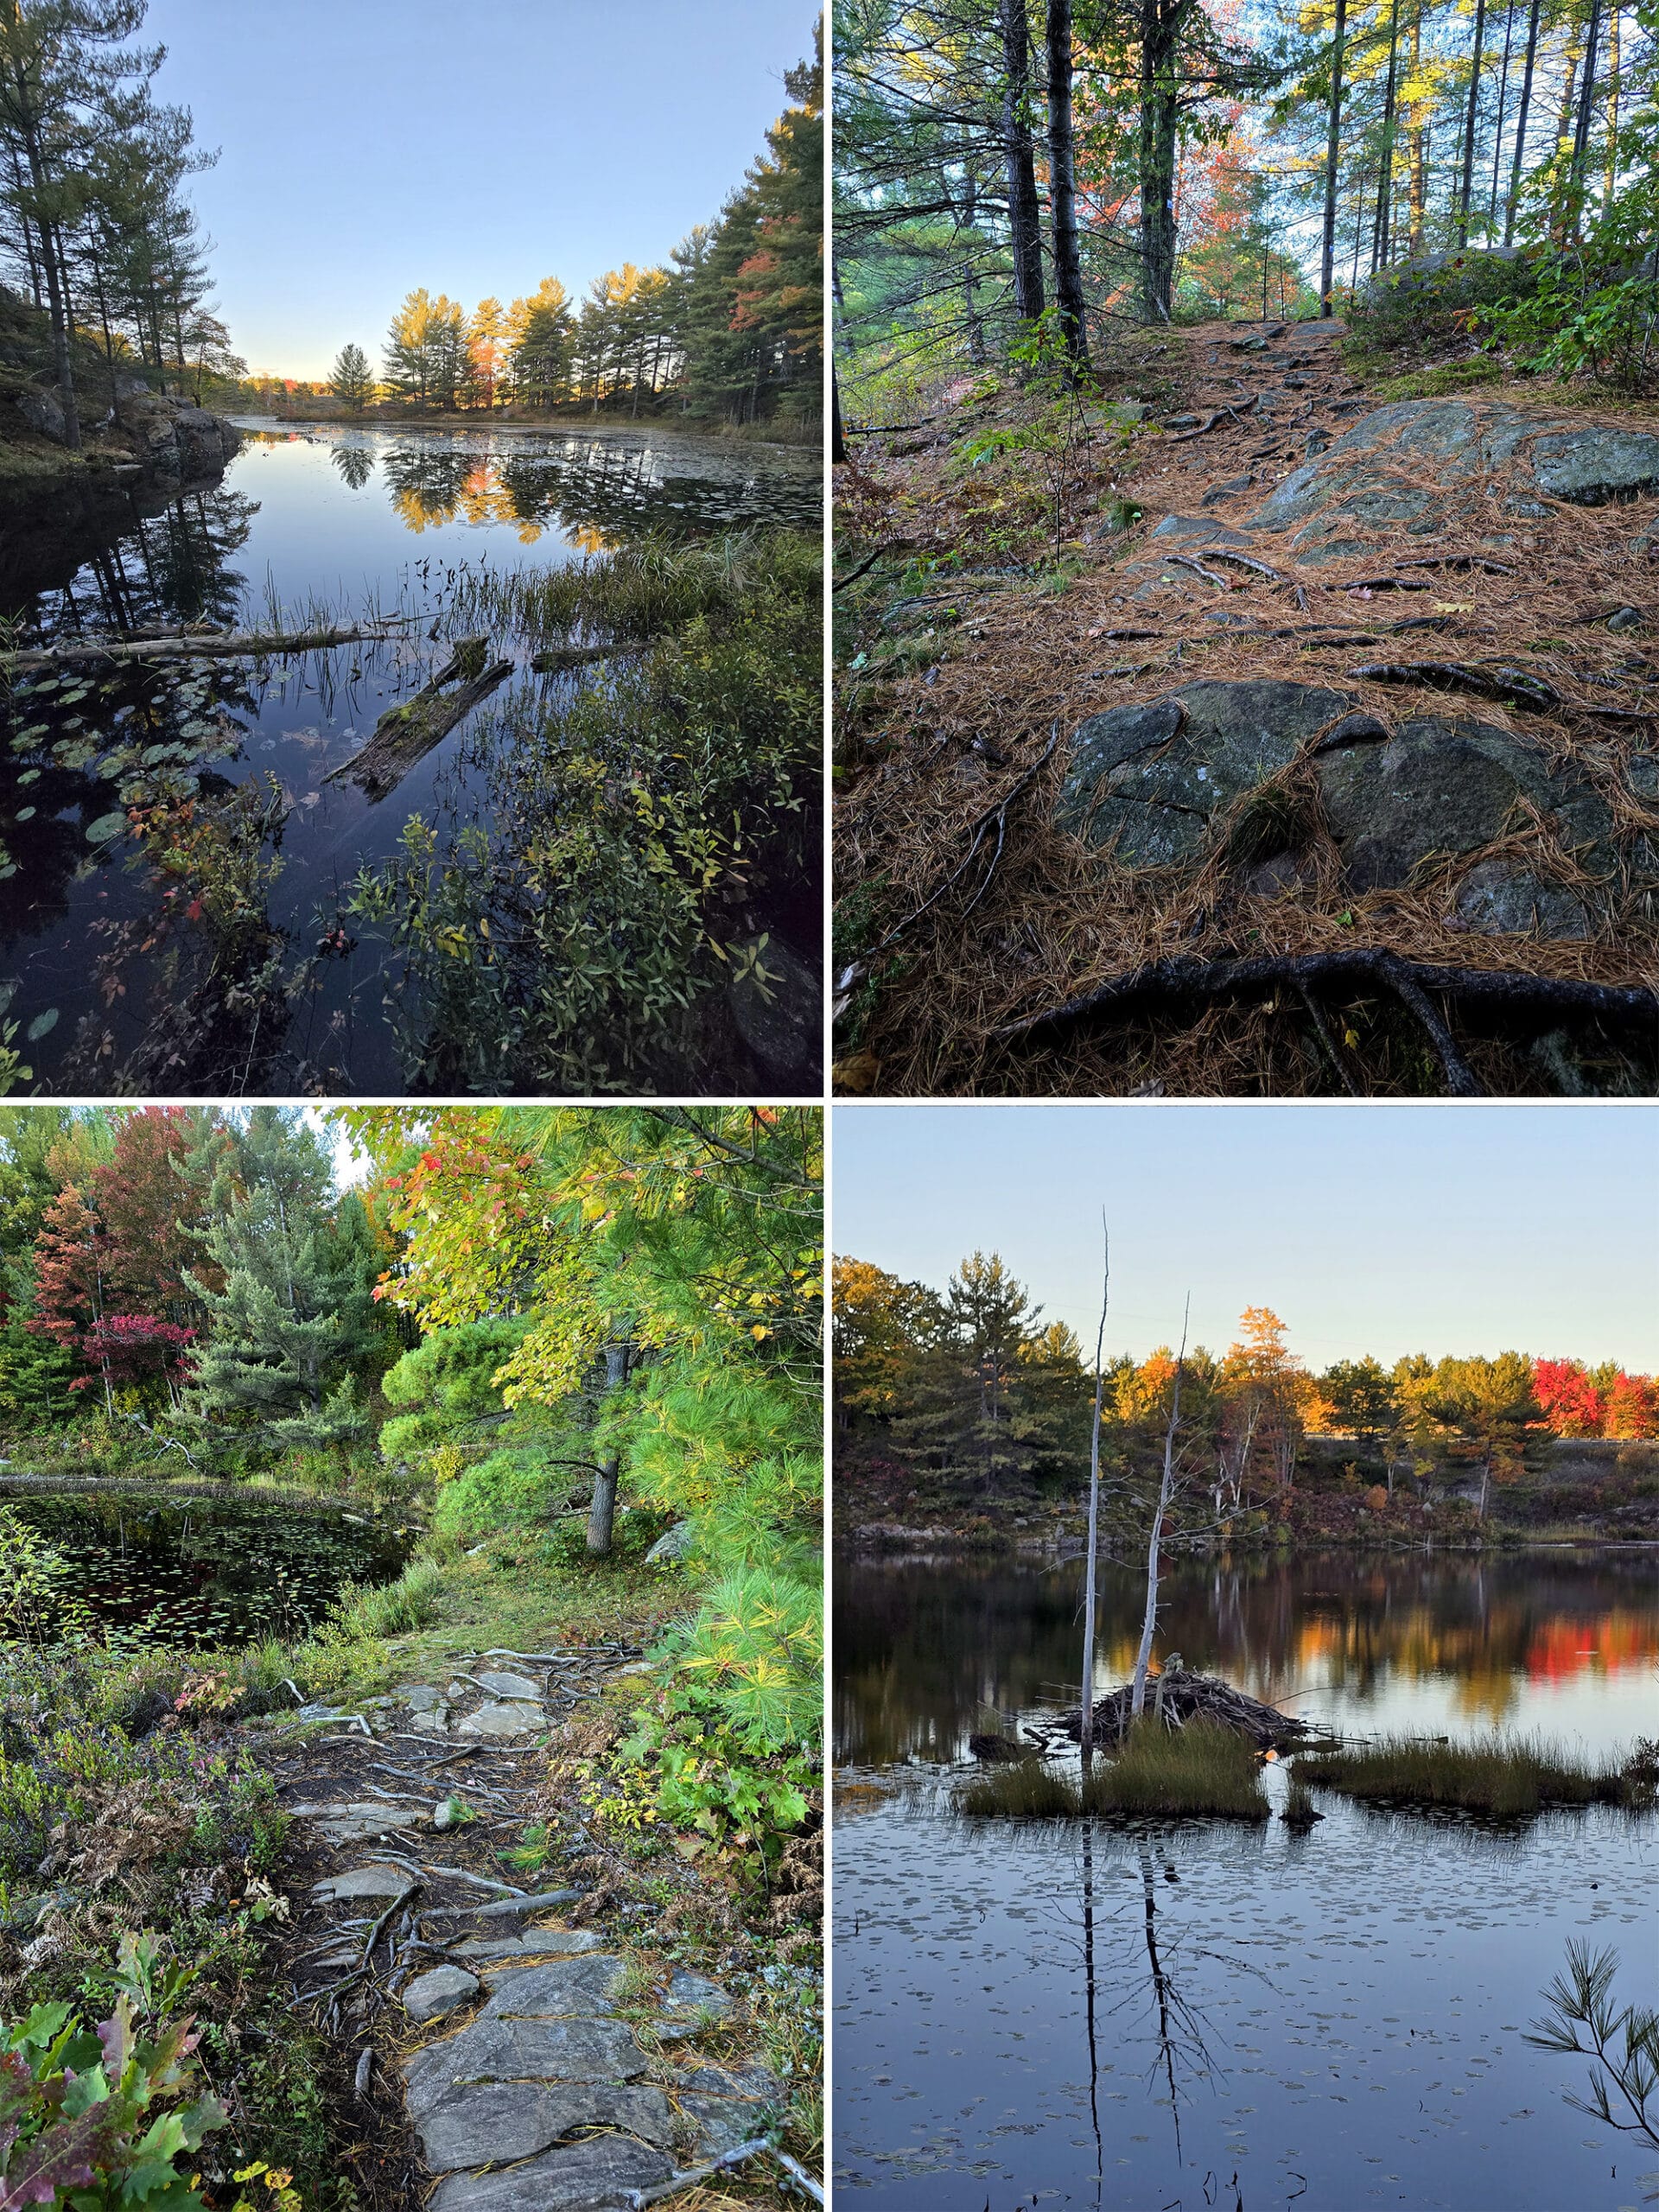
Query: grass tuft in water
(641, 590)
(1197, 1771)
(1505, 1778)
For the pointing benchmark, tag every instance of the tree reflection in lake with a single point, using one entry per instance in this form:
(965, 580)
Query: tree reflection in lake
(355, 464)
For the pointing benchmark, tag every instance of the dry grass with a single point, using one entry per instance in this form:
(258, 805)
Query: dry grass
(1199, 1771)
(1507, 1780)
(937, 731)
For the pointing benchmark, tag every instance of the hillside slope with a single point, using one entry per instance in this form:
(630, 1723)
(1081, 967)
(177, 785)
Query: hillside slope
(1305, 733)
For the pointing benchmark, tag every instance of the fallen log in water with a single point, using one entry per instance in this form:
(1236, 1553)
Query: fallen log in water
(405, 735)
(1178, 1695)
(231, 645)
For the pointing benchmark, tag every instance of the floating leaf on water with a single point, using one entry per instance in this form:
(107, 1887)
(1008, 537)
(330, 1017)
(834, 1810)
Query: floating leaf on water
(106, 827)
(27, 814)
(41, 1023)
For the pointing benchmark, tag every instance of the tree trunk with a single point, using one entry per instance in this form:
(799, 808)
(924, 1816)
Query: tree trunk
(1062, 183)
(1385, 181)
(1469, 125)
(1502, 102)
(1332, 143)
(601, 1514)
(1157, 150)
(1024, 223)
(1417, 139)
(58, 302)
(1086, 1727)
(1165, 1493)
(1521, 123)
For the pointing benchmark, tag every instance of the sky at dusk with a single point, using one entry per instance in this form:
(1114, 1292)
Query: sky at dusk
(1367, 1229)
(370, 146)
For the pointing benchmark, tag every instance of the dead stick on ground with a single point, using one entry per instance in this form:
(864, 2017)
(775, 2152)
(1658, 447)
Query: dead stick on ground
(995, 817)
(1242, 561)
(1410, 981)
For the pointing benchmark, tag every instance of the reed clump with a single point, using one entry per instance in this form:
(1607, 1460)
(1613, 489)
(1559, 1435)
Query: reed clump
(1506, 1779)
(1199, 1771)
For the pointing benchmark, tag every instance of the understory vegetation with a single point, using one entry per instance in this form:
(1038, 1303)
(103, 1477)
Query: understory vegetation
(640, 833)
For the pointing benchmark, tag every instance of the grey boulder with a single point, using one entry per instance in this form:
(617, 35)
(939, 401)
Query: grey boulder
(430, 1995)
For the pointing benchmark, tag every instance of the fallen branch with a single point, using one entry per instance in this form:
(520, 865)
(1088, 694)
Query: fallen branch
(1190, 560)
(405, 735)
(1242, 561)
(1458, 561)
(234, 644)
(1410, 982)
(994, 816)
(1384, 583)
(1499, 682)
(863, 569)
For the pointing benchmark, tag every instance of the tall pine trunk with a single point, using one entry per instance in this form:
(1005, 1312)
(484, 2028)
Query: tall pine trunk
(1062, 183)
(1417, 139)
(1385, 182)
(1157, 151)
(1514, 199)
(1502, 102)
(601, 1513)
(1024, 222)
(1332, 143)
(1468, 179)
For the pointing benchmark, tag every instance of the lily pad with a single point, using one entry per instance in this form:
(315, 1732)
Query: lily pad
(41, 1023)
(106, 827)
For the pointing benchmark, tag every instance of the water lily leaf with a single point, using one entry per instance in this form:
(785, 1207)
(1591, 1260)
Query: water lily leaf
(41, 1023)
(106, 827)
(27, 814)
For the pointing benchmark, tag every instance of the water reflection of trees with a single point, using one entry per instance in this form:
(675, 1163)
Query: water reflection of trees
(921, 1651)
(355, 464)
(596, 487)
(171, 564)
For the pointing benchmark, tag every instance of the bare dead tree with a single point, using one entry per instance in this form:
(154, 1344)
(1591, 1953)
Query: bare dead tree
(1087, 1723)
(1166, 1489)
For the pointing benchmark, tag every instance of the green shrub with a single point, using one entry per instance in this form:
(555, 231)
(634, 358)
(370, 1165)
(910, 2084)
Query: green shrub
(1422, 304)
(101, 2117)
(392, 1608)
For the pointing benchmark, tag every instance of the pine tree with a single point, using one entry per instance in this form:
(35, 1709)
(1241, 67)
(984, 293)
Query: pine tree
(351, 378)
(287, 1327)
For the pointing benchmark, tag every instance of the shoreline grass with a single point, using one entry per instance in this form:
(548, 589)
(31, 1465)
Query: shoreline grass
(1505, 1779)
(1197, 1772)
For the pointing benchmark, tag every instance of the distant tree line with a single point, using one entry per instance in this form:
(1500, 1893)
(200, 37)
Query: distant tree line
(970, 1388)
(95, 233)
(732, 329)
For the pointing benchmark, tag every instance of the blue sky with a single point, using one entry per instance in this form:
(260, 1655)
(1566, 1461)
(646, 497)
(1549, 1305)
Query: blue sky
(1377, 1228)
(370, 146)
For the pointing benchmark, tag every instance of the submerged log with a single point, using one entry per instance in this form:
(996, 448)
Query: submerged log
(1179, 1696)
(405, 735)
(557, 658)
(233, 644)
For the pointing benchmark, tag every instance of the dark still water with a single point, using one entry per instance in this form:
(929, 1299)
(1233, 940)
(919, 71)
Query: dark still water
(1198, 2015)
(176, 1569)
(114, 975)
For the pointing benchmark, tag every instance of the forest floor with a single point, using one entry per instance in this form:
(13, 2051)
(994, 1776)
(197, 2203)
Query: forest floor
(568, 1960)
(1013, 564)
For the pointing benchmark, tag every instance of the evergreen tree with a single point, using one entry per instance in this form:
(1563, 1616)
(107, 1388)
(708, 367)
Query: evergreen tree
(289, 1323)
(351, 380)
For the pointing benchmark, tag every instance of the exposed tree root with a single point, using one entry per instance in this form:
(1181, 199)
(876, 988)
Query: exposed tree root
(1410, 982)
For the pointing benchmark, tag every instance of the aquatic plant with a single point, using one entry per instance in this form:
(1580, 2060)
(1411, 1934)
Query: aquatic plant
(1199, 1771)
(1501, 1777)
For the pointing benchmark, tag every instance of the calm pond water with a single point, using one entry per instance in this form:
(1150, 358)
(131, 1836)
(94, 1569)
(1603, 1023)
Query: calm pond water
(206, 1571)
(350, 519)
(1201, 2014)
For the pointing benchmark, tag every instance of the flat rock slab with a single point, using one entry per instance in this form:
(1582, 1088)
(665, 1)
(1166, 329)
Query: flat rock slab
(431, 1995)
(1426, 466)
(496, 2122)
(496, 1958)
(514, 1719)
(363, 1882)
(501, 1684)
(691, 1993)
(564, 1985)
(578, 2049)
(351, 1823)
(593, 2176)
(421, 1697)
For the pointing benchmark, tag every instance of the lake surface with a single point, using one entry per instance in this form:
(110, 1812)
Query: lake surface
(206, 1571)
(1200, 2014)
(100, 962)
